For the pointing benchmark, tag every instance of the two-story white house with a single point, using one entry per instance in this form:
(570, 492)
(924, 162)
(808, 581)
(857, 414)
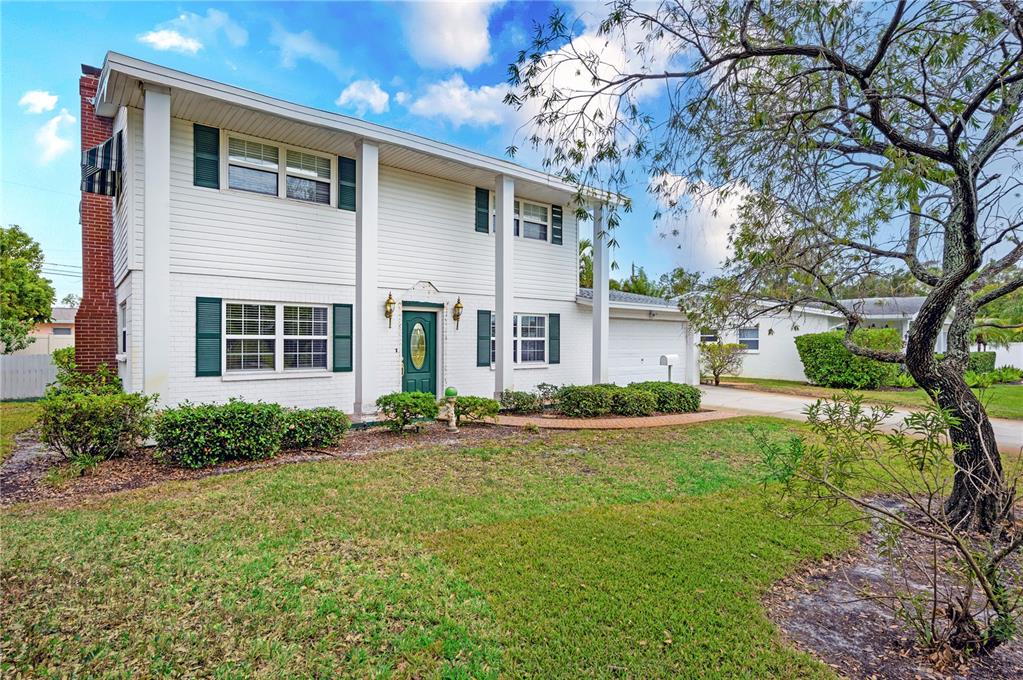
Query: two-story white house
(238, 245)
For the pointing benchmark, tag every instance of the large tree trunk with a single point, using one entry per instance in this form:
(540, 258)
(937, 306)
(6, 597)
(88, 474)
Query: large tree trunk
(979, 497)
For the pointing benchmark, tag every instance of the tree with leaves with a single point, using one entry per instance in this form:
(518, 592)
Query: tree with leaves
(852, 137)
(25, 295)
(586, 263)
(640, 283)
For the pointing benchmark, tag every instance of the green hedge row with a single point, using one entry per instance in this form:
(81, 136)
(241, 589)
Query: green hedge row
(827, 362)
(980, 362)
(638, 399)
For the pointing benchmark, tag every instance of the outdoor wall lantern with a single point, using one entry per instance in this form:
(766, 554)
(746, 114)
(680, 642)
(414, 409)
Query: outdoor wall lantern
(456, 312)
(389, 309)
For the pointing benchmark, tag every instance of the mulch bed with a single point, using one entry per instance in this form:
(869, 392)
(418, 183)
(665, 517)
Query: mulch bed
(823, 611)
(22, 476)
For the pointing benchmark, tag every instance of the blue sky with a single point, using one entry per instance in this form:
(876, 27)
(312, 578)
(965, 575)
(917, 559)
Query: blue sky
(435, 69)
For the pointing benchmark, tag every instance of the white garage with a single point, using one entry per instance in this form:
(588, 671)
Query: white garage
(642, 329)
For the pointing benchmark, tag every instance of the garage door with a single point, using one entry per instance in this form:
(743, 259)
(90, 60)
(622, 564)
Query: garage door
(635, 347)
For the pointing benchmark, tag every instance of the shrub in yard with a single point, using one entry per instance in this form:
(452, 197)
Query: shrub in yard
(903, 380)
(199, 435)
(632, 401)
(827, 362)
(520, 402)
(475, 409)
(672, 397)
(980, 362)
(88, 428)
(103, 381)
(718, 359)
(403, 408)
(586, 401)
(547, 392)
(1008, 374)
(314, 428)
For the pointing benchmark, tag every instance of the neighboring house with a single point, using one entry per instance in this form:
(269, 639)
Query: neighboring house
(770, 339)
(239, 245)
(52, 335)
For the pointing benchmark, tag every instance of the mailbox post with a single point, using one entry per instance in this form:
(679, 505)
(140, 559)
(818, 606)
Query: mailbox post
(669, 360)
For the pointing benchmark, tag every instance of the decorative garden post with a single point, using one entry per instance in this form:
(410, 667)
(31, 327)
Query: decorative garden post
(452, 395)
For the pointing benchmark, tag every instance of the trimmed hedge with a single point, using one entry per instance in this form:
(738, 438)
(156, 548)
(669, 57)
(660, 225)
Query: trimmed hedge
(672, 397)
(314, 428)
(401, 409)
(474, 409)
(980, 362)
(827, 362)
(520, 402)
(586, 401)
(632, 401)
(88, 427)
(199, 435)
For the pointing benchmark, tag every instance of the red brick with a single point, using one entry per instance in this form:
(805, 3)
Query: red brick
(96, 320)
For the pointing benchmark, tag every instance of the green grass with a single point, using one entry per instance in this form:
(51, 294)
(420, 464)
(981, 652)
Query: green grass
(15, 417)
(614, 554)
(1001, 401)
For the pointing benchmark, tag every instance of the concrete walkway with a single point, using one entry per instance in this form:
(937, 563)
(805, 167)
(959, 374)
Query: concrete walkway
(1008, 433)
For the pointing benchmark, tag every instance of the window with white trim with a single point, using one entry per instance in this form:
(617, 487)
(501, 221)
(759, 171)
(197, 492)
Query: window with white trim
(305, 337)
(529, 338)
(308, 177)
(250, 337)
(708, 335)
(750, 338)
(122, 324)
(535, 220)
(252, 166)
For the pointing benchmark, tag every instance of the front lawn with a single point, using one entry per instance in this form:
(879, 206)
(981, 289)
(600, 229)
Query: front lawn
(1001, 401)
(608, 554)
(15, 417)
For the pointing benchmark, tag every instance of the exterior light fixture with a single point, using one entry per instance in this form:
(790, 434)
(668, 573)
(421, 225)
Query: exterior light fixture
(389, 309)
(456, 312)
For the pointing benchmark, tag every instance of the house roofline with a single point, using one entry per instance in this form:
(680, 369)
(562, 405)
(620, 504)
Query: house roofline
(148, 72)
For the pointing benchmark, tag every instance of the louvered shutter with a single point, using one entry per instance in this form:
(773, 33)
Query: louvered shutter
(346, 183)
(482, 210)
(557, 228)
(554, 338)
(206, 156)
(483, 337)
(342, 338)
(207, 336)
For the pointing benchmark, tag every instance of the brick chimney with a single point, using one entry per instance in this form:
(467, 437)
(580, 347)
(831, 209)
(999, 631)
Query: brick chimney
(96, 320)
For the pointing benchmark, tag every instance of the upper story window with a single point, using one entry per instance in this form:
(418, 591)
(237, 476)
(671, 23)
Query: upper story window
(308, 177)
(252, 166)
(535, 220)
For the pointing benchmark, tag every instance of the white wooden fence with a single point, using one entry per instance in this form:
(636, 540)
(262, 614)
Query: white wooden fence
(25, 376)
(1011, 355)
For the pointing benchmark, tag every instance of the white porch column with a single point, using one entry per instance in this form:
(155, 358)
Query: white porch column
(692, 376)
(601, 278)
(156, 350)
(504, 288)
(367, 311)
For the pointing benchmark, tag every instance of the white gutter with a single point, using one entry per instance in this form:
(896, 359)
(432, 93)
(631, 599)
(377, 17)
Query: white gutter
(161, 75)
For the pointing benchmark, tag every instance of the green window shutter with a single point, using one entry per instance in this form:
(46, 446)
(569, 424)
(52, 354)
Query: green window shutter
(483, 337)
(554, 338)
(207, 336)
(342, 338)
(346, 184)
(206, 156)
(483, 213)
(557, 230)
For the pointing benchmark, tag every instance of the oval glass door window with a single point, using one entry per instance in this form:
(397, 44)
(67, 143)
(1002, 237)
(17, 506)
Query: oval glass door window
(417, 346)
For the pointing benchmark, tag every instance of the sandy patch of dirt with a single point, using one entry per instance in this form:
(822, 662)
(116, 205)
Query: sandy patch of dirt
(822, 610)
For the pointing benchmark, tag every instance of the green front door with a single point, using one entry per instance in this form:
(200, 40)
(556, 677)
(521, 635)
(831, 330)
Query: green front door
(419, 352)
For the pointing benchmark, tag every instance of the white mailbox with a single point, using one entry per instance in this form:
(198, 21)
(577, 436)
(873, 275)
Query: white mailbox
(669, 359)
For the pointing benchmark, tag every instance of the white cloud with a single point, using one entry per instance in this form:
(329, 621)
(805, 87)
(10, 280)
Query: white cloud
(38, 101)
(697, 219)
(48, 137)
(297, 46)
(442, 34)
(190, 32)
(363, 96)
(170, 40)
(402, 97)
(453, 100)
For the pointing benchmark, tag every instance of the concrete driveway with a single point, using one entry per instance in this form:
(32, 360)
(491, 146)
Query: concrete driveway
(1008, 433)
